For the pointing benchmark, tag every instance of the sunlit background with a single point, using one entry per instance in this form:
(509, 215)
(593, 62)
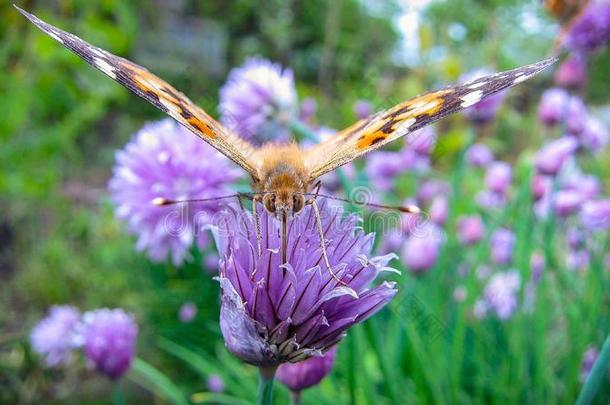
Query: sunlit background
(500, 226)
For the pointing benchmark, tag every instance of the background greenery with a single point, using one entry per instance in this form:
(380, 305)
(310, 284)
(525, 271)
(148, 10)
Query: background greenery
(61, 122)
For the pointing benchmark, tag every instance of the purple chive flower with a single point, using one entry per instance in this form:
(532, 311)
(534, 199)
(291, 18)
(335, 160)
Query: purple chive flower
(187, 312)
(551, 158)
(587, 185)
(363, 109)
(498, 177)
(383, 167)
(486, 109)
(479, 155)
(567, 202)
(259, 100)
(553, 106)
(109, 337)
(594, 136)
(215, 383)
(422, 248)
(470, 229)
(595, 215)
(576, 115)
(309, 106)
(502, 245)
(55, 336)
(439, 209)
(572, 73)
(500, 294)
(592, 29)
(272, 312)
(588, 360)
(307, 373)
(166, 160)
(490, 200)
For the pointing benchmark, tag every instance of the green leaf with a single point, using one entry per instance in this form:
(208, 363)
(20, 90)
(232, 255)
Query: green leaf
(150, 378)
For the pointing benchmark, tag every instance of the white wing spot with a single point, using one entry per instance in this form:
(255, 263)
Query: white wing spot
(523, 77)
(476, 85)
(105, 67)
(404, 126)
(471, 98)
(55, 36)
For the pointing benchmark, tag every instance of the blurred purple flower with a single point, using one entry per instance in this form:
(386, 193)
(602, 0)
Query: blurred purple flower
(210, 263)
(259, 100)
(586, 184)
(572, 73)
(55, 336)
(422, 248)
(588, 360)
(309, 106)
(486, 109)
(594, 136)
(166, 160)
(576, 115)
(498, 177)
(273, 312)
(575, 238)
(537, 263)
(552, 156)
(391, 242)
(592, 29)
(490, 200)
(479, 155)
(500, 293)
(382, 168)
(421, 141)
(595, 215)
(215, 383)
(430, 189)
(470, 229)
(460, 293)
(553, 106)
(363, 109)
(307, 373)
(187, 312)
(502, 245)
(439, 210)
(567, 202)
(109, 337)
(483, 271)
(577, 260)
(541, 185)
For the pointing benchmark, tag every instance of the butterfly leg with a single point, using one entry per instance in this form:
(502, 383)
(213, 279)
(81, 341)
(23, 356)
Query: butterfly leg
(257, 225)
(320, 228)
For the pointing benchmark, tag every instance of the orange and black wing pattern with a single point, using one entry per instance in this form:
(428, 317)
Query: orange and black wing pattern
(157, 92)
(386, 126)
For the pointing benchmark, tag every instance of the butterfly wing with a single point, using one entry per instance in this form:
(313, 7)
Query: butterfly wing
(405, 118)
(159, 93)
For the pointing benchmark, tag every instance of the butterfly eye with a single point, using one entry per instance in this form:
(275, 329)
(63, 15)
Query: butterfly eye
(297, 203)
(269, 202)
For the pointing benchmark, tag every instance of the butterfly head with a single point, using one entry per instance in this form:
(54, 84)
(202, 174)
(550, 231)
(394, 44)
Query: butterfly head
(283, 204)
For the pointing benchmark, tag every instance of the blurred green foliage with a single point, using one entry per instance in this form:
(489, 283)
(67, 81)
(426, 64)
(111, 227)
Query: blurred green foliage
(61, 122)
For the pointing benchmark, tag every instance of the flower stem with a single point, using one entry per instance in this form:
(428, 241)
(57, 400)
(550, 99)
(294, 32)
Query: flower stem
(265, 386)
(295, 396)
(117, 394)
(303, 131)
(596, 376)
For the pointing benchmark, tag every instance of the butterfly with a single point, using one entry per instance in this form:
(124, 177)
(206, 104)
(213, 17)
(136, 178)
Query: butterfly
(284, 176)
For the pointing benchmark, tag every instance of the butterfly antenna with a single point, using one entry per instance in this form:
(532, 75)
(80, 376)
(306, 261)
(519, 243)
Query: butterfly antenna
(160, 201)
(408, 209)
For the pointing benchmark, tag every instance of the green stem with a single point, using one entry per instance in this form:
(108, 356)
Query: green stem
(265, 385)
(303, 131)
(117, 394)
(596, 376)
(295, 396)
